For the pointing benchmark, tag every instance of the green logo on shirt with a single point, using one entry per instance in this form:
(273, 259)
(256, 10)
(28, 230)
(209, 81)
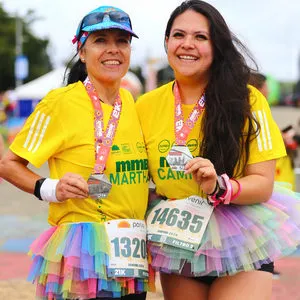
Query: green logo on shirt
(164, 146)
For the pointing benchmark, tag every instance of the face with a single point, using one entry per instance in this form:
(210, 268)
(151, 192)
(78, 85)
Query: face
(189, 48)
(107, 55)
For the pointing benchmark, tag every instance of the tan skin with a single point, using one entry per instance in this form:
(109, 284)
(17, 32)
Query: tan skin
(190, 55)
(106, 54)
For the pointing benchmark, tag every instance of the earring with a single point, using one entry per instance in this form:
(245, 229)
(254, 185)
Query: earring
(82, 60)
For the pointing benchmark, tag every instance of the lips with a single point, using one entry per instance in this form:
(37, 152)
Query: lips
(188, 57)
(112, 62)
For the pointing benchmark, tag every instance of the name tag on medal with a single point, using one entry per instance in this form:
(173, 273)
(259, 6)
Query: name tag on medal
(99, 186)
(178, 157)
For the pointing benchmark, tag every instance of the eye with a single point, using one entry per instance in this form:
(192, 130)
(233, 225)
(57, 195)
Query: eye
(201, 37)
(177, 34)
(123, 41)
(99, 40)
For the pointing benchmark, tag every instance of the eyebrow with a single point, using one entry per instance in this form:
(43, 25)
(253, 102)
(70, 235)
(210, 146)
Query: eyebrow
(196, 32)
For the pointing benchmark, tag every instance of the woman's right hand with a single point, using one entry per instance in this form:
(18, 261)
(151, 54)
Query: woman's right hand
(71, 186)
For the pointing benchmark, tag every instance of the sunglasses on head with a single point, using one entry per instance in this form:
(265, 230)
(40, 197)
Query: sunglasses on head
(98, 17)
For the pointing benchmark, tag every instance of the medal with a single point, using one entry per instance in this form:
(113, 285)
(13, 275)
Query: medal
(99, 186)
(178, 157)
(98, 183)
(180, 154)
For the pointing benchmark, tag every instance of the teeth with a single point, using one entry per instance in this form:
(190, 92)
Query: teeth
(187, 57)
(111, 62)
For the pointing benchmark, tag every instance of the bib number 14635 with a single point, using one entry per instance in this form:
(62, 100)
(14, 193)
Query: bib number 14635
(179, 223)
(181, 219)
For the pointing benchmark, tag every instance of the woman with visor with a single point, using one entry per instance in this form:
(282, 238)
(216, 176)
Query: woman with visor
(212, 143)
(89, 134)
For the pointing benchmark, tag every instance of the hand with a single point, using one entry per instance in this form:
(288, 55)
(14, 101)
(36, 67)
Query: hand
(71, 186)
(203, 172)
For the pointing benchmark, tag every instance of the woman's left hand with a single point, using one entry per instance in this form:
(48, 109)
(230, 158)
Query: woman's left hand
(203, 172)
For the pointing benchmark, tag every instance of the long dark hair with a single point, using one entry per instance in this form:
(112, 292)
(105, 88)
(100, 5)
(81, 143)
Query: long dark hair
(225, 141)
(75, 71)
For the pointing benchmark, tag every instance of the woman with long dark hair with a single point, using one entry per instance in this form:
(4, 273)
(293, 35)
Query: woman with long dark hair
(218, 224)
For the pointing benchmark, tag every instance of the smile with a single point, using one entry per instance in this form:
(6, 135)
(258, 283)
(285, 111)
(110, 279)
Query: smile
(188, 57)
(111, 62)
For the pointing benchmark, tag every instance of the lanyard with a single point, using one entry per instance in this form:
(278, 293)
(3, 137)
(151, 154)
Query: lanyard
(103, 140)
(183, 129)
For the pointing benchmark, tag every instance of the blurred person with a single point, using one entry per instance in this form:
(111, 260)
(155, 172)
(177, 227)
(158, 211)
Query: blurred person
(89, 134)
(218, 224)
(133, 84)
(284, 165)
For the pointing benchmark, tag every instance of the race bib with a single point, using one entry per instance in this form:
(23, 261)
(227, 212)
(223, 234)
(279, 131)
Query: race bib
(179, 223)
(128, 251)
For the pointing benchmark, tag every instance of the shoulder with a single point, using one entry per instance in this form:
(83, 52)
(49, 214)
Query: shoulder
(63, 93)
(257, 99)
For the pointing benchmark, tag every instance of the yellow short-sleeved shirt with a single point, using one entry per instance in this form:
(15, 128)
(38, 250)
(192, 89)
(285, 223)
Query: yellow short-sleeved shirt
(156, 113)
(61, 131)
(285, 171)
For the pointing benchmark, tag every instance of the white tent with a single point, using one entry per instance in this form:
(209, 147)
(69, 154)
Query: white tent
(39, 87)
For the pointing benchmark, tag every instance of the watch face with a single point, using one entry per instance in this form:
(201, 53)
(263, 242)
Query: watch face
(222, 184)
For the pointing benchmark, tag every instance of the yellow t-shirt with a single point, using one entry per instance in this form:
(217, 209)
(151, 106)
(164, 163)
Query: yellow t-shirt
(285, 172)
(156, 113)
(61, 131)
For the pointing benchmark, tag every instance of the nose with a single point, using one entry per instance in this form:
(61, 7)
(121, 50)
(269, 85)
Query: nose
(112, 47)
(188, 42)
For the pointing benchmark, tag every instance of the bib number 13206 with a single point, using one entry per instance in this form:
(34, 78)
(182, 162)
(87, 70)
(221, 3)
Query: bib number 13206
(128, 254)
(126, 247)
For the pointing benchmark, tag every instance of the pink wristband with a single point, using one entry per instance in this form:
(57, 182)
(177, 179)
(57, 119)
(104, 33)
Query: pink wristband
(226, 198)
(233, 197)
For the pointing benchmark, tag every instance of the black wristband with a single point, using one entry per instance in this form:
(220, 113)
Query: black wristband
(215, 190)
(37, 188)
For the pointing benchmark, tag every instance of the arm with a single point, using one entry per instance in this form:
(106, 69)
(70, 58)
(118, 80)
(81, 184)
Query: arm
(256, 185)
(13, 168)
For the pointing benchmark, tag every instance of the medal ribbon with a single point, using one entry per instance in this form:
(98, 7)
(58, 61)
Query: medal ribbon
(183, 129)
(103, 140)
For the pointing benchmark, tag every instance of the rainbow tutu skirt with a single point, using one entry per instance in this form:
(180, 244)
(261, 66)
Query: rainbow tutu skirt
(70, 262)
(237, 238)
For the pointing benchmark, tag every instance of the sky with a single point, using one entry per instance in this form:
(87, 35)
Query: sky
(269, 28)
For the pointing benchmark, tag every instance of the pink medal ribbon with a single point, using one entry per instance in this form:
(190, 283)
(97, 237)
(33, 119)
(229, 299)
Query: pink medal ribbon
(183, 129)
(103, 140)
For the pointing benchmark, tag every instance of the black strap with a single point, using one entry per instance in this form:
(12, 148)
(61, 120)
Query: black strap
(37, 188)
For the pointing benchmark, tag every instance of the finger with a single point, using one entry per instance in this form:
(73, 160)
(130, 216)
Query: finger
(192, 161)
(77, 182)
(62, 196)
(198, 165)
(75, 190)
(198, 179)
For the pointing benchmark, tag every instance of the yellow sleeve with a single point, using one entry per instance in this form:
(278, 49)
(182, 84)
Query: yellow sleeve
(268, 143)
(42, 134)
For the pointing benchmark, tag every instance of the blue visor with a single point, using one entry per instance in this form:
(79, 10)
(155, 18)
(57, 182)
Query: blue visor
(103, 17)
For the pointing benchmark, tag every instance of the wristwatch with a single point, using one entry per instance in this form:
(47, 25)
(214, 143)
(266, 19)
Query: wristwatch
(222, 187)
(37, 188)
